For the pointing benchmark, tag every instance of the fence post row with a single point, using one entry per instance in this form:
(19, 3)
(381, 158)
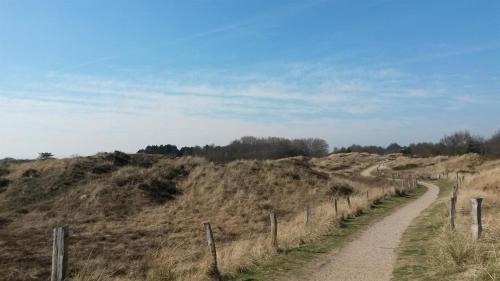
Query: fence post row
(60, 253)
(61, 234)
(476, 226)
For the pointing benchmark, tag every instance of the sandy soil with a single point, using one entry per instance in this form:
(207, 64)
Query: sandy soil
(371, 255)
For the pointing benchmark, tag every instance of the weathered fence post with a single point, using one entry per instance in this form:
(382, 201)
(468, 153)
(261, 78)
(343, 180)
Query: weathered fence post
(336, 208)
(308, 216)
(454, 191)
(274, 230)
(477, 226)
(213, 270)
(60, 253)
(453, 201)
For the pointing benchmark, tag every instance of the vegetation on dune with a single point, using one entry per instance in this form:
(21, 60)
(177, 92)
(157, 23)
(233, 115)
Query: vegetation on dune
(139, 217)
(458, 143)
(247, 148)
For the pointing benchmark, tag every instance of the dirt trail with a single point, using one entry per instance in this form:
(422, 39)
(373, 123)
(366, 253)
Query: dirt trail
(371, 256)
(368, 171)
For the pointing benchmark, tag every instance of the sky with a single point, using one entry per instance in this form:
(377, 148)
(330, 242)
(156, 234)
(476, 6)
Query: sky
(80, 77)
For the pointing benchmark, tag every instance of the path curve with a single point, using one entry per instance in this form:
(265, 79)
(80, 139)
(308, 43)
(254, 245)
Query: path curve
(371, 256)
(368, 171)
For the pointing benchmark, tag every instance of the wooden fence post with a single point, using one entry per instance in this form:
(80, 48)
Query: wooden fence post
(477, 226)
(453, 201)
(454, 191)
(308, 216)
(213, 270)
(336, 208)
(60, 253)
(274, 230)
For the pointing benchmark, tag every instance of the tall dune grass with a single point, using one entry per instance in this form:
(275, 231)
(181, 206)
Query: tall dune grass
(457, 254)
(241, 255)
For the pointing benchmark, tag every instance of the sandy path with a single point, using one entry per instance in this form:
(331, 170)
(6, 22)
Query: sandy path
(371, 256)
(368, 171)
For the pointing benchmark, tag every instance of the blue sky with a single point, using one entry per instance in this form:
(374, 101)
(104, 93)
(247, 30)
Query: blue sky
(78, 77)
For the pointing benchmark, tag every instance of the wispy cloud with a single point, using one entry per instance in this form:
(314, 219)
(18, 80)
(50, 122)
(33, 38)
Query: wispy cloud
(445, 52)
(308, 89)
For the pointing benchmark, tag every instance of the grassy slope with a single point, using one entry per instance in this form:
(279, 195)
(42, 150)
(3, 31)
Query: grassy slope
(417, 245)
(120, 214)
(291, 261)
(429, 251)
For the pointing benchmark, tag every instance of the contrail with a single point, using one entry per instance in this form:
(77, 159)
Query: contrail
(222, 29)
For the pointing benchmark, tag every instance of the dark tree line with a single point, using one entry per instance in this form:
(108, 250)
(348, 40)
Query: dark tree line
(247, 148)
(455, 144)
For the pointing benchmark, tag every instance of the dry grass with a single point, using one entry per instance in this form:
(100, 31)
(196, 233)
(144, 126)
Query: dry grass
(432, 167)
(347, 164)
(452, 255)
(458, 256)
(482, 261)
(143, 221)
